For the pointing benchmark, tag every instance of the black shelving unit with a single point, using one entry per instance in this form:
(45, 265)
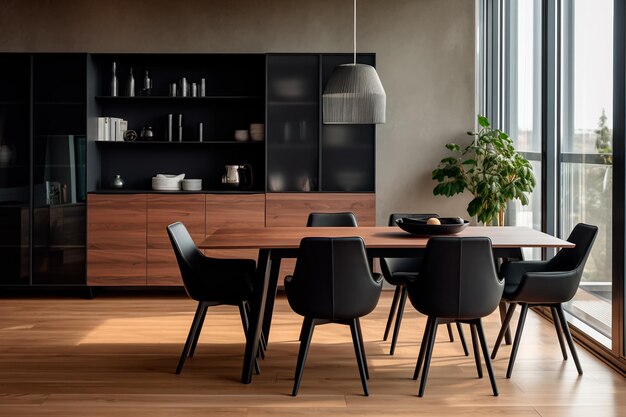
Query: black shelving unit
(234, 98)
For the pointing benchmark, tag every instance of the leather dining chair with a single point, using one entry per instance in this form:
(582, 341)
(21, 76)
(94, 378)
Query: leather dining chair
(397, 272)
(344, 219)
(210, 282)
(332, 283)
(458, 283)
(548, 284)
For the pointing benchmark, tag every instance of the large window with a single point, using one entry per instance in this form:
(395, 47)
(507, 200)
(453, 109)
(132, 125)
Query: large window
(546, 76)
(586, 157)
(523, 101)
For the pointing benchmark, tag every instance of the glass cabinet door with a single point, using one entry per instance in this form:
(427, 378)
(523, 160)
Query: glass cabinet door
(293, 110)
(59, 191)
(348, 150)
(14, 168)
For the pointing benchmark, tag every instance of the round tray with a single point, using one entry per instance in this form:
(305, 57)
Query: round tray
(420, 228)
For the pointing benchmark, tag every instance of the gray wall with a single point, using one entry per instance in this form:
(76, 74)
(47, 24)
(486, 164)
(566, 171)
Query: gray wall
(425, 55)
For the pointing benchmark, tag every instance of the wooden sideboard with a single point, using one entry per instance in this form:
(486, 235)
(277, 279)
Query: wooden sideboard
(127, 242)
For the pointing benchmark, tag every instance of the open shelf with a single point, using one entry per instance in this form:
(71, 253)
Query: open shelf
(176, 142)
(150, 191)
(169, 98)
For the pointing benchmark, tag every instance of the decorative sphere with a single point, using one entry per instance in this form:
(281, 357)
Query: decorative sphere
(433, 220)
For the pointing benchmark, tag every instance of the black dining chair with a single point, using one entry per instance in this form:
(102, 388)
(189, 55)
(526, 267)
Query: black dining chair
(341, 219)
(458, 283)
(210, 282)
(332, 283)
(397, 272)
(344, 219)
(548, 284)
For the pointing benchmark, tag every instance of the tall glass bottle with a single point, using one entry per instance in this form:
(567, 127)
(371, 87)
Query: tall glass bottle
(131, 84)
(114, 83)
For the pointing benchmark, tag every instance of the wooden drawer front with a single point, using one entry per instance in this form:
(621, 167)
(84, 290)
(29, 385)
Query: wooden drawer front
(116, 222)
(164, 210)
(163, 268)
(116, 267)
(294, 209)
(228, 210)
(116, 239)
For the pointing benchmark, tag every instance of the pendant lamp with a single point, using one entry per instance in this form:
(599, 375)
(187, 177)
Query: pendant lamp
(354, 93)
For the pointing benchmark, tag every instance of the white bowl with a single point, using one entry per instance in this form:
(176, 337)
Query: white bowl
(192, 184)
(164, 182)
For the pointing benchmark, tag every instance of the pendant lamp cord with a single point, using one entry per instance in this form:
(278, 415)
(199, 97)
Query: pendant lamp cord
(354, 32)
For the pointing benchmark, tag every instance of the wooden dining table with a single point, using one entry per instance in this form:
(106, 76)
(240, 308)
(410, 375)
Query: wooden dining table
(277, 243)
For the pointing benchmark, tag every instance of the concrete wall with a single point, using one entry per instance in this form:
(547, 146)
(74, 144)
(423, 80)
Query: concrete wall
(425, 56)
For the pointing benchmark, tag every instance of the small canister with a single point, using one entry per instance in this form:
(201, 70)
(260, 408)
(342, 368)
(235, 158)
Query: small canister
(173, 90)
(184, 88)
(202, 87)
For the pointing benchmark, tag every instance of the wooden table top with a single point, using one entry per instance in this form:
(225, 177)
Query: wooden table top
(374, 237)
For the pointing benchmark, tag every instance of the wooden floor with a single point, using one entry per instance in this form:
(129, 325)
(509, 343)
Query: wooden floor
(116, 355)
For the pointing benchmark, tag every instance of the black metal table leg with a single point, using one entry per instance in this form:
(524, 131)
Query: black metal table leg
(271, 296)
(256, 317)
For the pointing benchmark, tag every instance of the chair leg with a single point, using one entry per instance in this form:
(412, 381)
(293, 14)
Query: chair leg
(483, 342)
(476, 348)
(559, 334)
(262, 339)
(244, 309)
(396, 329)
(503, 330)
(428, 355)
(307, 333)
(462, 337)
(360, 334)
(450, 334)
(518, 337)
(197, 335)
(507, 331)
(190, 337)
(568, 337)
(359, 352)
(420, 357)
(392, 311)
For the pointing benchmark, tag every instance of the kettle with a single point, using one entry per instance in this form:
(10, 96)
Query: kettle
(234, 174)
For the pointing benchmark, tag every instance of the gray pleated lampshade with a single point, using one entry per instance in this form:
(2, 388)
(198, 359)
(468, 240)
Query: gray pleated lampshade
(354, 95)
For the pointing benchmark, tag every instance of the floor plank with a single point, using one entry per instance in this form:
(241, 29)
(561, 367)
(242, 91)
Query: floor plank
(116, 355)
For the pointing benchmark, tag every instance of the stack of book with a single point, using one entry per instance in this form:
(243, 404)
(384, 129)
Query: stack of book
(111, 128)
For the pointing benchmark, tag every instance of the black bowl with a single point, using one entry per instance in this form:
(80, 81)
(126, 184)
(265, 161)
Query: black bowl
(419, 227)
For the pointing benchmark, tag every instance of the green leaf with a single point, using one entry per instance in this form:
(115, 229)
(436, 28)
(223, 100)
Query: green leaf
(483, 121)
(469, 162)
(453, 147)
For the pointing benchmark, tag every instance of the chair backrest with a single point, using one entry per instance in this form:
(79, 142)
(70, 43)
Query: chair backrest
(332, 280)
(570, 259)
(458, 279)
(390, 266)
(187, 255)
(345, 219)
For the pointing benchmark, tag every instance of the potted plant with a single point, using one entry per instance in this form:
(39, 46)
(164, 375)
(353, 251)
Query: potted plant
(490, 169)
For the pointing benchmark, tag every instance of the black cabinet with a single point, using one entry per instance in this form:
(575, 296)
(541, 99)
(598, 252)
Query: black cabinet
(15, 70)
(293, 111)
(304, 155)
(42, 203)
